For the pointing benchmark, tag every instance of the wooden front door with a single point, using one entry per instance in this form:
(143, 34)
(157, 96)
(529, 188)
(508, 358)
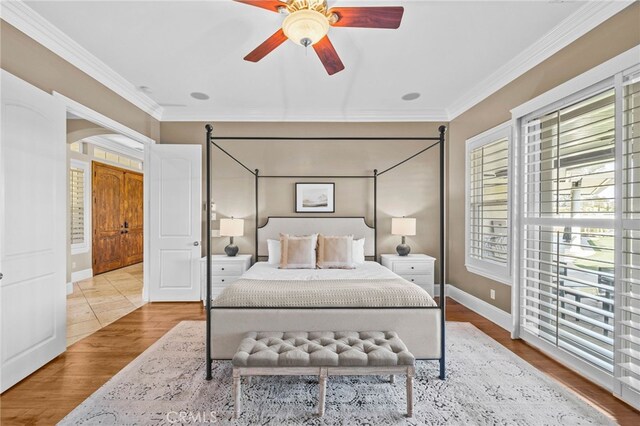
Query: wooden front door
(133, 214)
(117, 218)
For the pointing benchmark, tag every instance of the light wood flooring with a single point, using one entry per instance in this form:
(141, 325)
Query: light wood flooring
(49, 394)
(98, 301)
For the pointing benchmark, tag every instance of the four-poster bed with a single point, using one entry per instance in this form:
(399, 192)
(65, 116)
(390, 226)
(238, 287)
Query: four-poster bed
(421, 323)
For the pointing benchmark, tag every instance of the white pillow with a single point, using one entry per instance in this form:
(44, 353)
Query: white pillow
(358, 251)
(275, 251)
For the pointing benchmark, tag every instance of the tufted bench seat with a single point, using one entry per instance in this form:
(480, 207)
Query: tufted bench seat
(322, 353)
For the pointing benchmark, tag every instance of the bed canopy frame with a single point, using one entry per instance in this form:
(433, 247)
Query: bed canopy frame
(437, 141)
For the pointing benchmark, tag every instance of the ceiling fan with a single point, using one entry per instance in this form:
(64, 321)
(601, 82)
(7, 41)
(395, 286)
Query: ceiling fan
(308, 22)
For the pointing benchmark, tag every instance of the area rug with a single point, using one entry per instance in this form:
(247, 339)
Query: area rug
(486, 385)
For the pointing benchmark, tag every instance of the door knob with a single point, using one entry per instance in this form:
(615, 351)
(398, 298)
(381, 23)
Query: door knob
(196, 243)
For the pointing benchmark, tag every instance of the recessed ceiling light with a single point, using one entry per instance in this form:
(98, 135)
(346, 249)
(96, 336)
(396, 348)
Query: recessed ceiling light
(200, 96)
(411, 96)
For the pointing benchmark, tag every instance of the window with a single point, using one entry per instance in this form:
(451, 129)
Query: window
(77, 147)
(115, 158)
(488, 233)
(628, 349)
(568, 254)
(99, 153)
(79, 207)
(578, 224)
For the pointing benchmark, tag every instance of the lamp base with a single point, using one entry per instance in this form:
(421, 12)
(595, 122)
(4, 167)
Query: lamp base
(231, 250)
(403, 249)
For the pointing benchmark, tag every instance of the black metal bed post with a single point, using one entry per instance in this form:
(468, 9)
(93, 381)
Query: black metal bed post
(443, 303)
(375, 215)
(209, 128)
(256, 231)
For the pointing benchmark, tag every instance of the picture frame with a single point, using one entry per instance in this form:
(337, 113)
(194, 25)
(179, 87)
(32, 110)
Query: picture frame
(315, 197)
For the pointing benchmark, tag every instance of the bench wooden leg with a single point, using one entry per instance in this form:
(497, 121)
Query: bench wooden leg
(392, 379)
(237, 395)
(410, 372)
(322, 382)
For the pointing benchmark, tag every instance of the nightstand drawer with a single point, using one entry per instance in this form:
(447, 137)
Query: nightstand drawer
(227, 269)
(416, 268)
(421, 280)
(223, 281)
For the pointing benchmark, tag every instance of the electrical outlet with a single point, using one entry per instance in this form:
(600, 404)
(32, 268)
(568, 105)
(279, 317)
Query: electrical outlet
(493, 294)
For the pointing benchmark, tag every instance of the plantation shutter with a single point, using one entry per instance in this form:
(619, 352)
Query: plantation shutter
(76, 191)
(628, 313)
(488, 202)
(568, 216)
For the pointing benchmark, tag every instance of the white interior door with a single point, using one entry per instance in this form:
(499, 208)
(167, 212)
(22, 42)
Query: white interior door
(175, 221)
(33, 197)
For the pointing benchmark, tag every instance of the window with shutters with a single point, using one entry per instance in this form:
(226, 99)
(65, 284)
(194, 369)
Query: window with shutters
(568, 262)
(627, 356)
(488, 233)
(79, 206)
(578, 221)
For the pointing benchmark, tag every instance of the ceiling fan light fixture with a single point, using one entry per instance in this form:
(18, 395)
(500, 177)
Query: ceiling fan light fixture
(304, 25)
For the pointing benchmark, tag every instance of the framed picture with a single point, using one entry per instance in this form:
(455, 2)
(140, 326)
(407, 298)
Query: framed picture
(315, 198)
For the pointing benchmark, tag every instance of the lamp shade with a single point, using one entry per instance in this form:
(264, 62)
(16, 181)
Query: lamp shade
(305, 24)
(403, 226)
(231, 227)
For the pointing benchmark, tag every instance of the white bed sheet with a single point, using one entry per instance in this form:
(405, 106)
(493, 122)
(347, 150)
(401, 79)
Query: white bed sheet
(367, 270)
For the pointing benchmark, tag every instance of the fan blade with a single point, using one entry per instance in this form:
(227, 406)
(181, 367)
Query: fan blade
(272, 5)
(368, 17)
(328, 56)
(266, 47)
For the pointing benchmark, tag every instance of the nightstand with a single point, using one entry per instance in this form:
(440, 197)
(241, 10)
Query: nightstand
(416, 268)
(224, 271)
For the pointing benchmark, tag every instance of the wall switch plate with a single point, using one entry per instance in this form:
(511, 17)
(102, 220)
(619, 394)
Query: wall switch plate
(493, 294)
(215, 232)
(73, 264)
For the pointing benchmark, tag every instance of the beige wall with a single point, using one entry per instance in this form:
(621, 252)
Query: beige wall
(613, 37)
(411, 189)
(32, 62)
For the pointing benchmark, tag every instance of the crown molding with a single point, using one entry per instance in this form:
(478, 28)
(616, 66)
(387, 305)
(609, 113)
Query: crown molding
(192, 114)
(592, 14)
(566, 32)
(28, 21)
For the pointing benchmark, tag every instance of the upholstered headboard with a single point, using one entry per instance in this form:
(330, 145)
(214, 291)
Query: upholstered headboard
(331, 225)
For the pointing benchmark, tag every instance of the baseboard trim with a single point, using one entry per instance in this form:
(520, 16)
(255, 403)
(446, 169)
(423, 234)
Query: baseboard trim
(479, 306)
(69, 288)
(81, 275)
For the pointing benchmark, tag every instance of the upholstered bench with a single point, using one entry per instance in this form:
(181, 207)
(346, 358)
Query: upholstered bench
(322, 353)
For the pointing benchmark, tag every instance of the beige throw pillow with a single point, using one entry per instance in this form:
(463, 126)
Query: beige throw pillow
(335, 252)
(298, 252)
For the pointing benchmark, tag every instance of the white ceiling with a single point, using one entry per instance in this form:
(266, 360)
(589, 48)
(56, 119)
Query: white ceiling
(442, 50)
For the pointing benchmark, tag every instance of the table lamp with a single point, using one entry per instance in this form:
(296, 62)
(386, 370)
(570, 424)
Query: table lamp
(403, 226)
(231, 228)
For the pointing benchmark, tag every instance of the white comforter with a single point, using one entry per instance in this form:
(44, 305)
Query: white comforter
(369, 285)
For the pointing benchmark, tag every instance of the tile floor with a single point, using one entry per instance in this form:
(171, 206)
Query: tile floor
(99, 301)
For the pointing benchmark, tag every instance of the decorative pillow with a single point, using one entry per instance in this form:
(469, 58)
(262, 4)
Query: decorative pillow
(335, 252)
(298, 252)
(274, 248)
(358, 251)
